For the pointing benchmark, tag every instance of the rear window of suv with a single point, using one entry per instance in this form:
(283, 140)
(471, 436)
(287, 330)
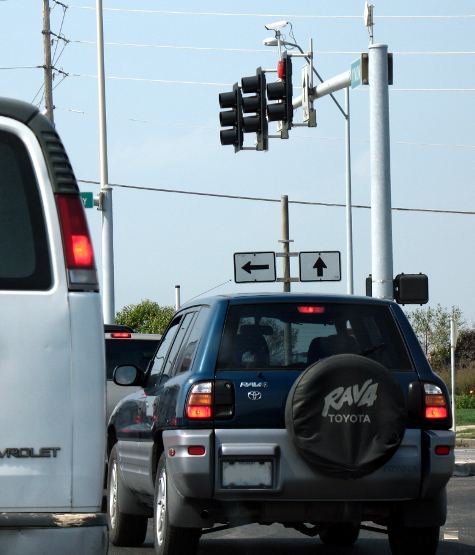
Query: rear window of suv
(295, 335)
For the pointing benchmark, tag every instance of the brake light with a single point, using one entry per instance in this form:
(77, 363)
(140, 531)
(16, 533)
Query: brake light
(196, 450)
(435, 403)
(77, 243)
(311, 309)
(442, 450)
(200, 401)
(436, 412)
(121, 335)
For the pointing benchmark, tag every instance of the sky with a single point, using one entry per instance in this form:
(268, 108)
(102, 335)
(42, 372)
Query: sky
(166, 62)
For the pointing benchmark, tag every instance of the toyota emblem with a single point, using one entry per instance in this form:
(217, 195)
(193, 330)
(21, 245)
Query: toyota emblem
(254, 395)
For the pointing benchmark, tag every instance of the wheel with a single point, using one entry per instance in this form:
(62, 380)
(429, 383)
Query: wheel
(346, 415)
(170, 540)
(413, 541)
(124, 530)
(342, 534)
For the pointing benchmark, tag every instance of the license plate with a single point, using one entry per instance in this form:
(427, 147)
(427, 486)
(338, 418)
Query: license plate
(247, 474)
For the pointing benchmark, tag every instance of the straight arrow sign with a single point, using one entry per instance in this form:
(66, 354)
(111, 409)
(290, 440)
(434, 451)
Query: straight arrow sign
(320, 266)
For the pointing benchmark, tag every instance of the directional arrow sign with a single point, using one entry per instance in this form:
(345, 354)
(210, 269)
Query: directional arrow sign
(250, 267)
(320, 266)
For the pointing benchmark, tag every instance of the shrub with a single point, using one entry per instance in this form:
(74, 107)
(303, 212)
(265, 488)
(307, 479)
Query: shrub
(465, 401)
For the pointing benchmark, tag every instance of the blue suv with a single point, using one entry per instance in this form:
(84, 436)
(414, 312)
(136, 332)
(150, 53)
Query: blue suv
(318, 412)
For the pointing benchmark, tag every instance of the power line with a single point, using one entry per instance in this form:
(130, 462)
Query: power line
(22, 67)
(212, 129)
(286, 16)
(264, 199)
(270, 51)
(215, 84)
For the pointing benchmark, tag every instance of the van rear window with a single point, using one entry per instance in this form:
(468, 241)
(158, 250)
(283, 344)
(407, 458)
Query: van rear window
(24, 250)
(287, 335)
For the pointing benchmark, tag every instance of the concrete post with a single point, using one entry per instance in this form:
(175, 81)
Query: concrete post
(381, 226)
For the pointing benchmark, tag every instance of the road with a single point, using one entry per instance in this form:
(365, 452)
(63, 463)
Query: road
(458, 534)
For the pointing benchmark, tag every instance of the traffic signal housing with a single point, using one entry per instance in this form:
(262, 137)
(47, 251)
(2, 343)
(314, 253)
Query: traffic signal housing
(256, 103)
(232, 118)
(282, 92)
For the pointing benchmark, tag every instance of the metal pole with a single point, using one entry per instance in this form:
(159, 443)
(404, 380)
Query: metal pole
(381, 226)
(106, 191)
(349, 223)
(285, 241)
(48, 69)
(453, 342)
(177, 297)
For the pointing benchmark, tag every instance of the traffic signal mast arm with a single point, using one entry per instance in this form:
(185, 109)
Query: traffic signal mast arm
(336, 83)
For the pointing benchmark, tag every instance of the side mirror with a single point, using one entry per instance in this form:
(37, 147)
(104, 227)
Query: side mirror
(128, 374)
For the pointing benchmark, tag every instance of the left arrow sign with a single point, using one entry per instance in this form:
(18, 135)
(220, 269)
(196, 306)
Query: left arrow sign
(250, 267)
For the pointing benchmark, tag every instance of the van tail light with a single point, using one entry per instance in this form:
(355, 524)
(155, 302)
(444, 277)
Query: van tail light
(79, 254)
(435, 404)
(199, 405)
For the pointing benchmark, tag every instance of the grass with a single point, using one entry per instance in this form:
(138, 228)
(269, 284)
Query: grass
(465, 417)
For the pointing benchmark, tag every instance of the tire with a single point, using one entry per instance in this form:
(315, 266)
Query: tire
(413, 541)
(170, 540)
(346, 415)
(124, 530)
(342, 534)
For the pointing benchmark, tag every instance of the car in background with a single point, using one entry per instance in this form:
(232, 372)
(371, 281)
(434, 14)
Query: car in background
(124, 345)
(52, 353)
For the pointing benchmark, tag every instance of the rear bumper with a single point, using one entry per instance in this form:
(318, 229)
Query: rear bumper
(53, 534)
(296, 490)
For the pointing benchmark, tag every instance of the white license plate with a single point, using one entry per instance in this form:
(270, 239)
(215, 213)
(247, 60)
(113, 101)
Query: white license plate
(251, 474)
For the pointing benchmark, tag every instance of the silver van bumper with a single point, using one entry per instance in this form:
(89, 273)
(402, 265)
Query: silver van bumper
(53, 534)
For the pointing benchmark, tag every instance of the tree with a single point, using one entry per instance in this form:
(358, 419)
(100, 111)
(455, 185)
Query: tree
(145, 317)
(432, 327)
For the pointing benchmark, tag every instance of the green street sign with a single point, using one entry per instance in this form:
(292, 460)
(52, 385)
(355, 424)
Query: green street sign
(356, 80)
(359, 71)
(87, 200)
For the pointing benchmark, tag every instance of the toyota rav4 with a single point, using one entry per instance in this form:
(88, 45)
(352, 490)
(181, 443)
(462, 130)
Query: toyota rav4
(318, 412)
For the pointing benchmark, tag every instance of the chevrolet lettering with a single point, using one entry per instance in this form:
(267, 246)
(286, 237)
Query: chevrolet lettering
(29, 452)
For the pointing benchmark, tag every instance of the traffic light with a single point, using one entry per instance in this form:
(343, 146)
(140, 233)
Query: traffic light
(256, 103)
(231, 118)
(282, 92)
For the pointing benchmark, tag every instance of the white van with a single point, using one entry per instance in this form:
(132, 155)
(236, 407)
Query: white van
(52, 369)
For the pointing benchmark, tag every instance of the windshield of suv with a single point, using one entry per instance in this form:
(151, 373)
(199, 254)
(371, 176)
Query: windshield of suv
(295, 335)
(129, 351)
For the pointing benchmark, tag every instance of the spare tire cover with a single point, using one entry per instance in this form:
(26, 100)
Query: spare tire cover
(346, 415)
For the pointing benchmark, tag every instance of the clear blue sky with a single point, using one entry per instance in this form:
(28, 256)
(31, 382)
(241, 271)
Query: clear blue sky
(164, 133)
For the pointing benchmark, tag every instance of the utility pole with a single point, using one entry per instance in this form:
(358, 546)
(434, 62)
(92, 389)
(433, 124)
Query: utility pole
(48, 69)
(105, 196)
(285, 242)
(381, 223)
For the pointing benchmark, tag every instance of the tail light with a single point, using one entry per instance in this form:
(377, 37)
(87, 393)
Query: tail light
(434, 402)
(208, 400)
(79, 254)
(199, 405)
